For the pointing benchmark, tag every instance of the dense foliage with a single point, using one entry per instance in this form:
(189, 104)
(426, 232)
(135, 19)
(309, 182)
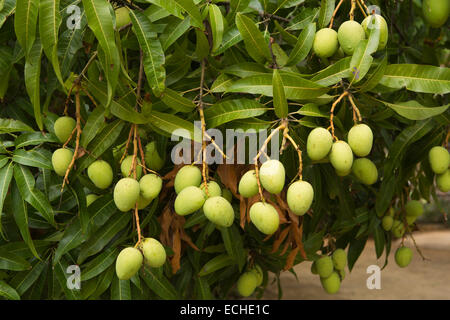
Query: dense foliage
(129, 78)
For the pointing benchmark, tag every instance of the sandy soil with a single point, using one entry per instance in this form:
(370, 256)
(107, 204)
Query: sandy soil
(428, 279)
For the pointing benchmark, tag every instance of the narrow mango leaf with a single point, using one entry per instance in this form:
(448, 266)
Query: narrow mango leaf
(229, 110)
(7, 291)
(326, 12)
(279, 98)
(100, 21)
(13, 262)
(302, 20)
(173, 32)
(32, 79)
(202, 45)
(34, 139)
(25, 279)
(312, 110)
(93, 125)
(78, 193)
(99, 264)
(231, 37)
(49, 22)
(246, 69)
(72, 238)
(218, 262)
(303, 45)
(413, 110)
(237, 6)
(6, 174)
(171, 124)
(153, 52)
(254, 41)
(20, 212)
(192, 10)
(25, 23)
(60, 269)
(234, 245)
(159, 284)
(375, 77)
(216, 22)
(32, 158)
(222, 83)
(334, 73)
(286, 36)
(176, 101)
(120, 289)
(8, 8)
(295, 86)
(362, 57)
(11, 125)
(26, 184)
(418, 78)
(202, 289)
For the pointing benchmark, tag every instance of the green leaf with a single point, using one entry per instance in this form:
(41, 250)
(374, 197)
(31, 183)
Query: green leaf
(418, 78)
(159, 284)
(245, 69)
(192, 10)
(222, 83)
(302, 20)
(354, 251)
(34, 138)
(325, 13)
(231, 37)
(334, 73)
(216, 263)
(169, 123)
(93, 125)
(8, 292)
(362, 57)
(11, 125)
(303, 45)
(49, 22)
(216, 22)
(20, 213)
(100, 21)
(229, 110)
(25, 23)
(413, 110)
(8, 8)
(32, 79)
(234, 245)
(237, 6)
(13, 262)
(120, 289)
(174, 31)
(78, 193)
(26, 184)
(176, 101)
(59, 270)
(254, 41)
(375, 77)
(103, 236)
(24, 280)
(312, 110)
(202, 45)
(378, 236)
(72, 238)
(202, 289)
(295, 87)
(279, 98)
(6, 174)
(153, 52)
(32, 158)
(99, 264)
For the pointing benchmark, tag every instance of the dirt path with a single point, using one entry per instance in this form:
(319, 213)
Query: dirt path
(428, 279)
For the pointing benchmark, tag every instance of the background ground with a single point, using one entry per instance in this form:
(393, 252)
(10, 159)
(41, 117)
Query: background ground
(428, 279)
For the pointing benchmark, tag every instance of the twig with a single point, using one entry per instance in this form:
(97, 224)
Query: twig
(141, 73)
(356, 114)
(136, 216)
(345, 93)
(203, 123)
(352, 10)
(299, 153)
(127, 145)
(361, 8)
(334, 14)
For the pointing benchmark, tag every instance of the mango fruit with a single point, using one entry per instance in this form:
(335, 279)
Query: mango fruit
(314, 268)
(153, 160)
(122, 17)
(414, 208)
(319, 143)
(341, 156)
(365, 171)
(186, 177)
(324, 266)
(443, 181)
(265, 217)
(439, 159)
(219, 211)
(63, 128)
(154, 252)
(299, 197)
(61, 159)
(325, 43)
(360, 139)
(368, 24)
(436, 12)
(91, 198)
(246, 284)
(387, 223)
(142, 202)
(339, 258)
(350, 33)
(126, 194)
(248, 185)
(126, 166)
(214, 189)
(332, 283)
(189, 200)
(398, 229)
(100, 173)
(272, 176)
(257, 270)
(128, 263)
(226, 193)
(150, 186)
(403, 256)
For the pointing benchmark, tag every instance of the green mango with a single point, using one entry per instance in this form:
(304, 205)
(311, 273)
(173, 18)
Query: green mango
(154, 252)
(150, 186)
(325, 43)
(365, 171)
(341, 156)
(272, 176)
(439, 159)
(128, 263)
(265, 217)
(219, 211)
(360, 139)
(189, 200)
(350, 33)
(403, 256)
(443, 181)
(300, 196)
(436, 12)
(318, 144)
(186, 177)
(61, 159)
(248, 185)
(126, 166)
(126, 194)
(325, 266)
(339, 258)
(100, 173)
(332, 283)
(63, 128)
(246, 284)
